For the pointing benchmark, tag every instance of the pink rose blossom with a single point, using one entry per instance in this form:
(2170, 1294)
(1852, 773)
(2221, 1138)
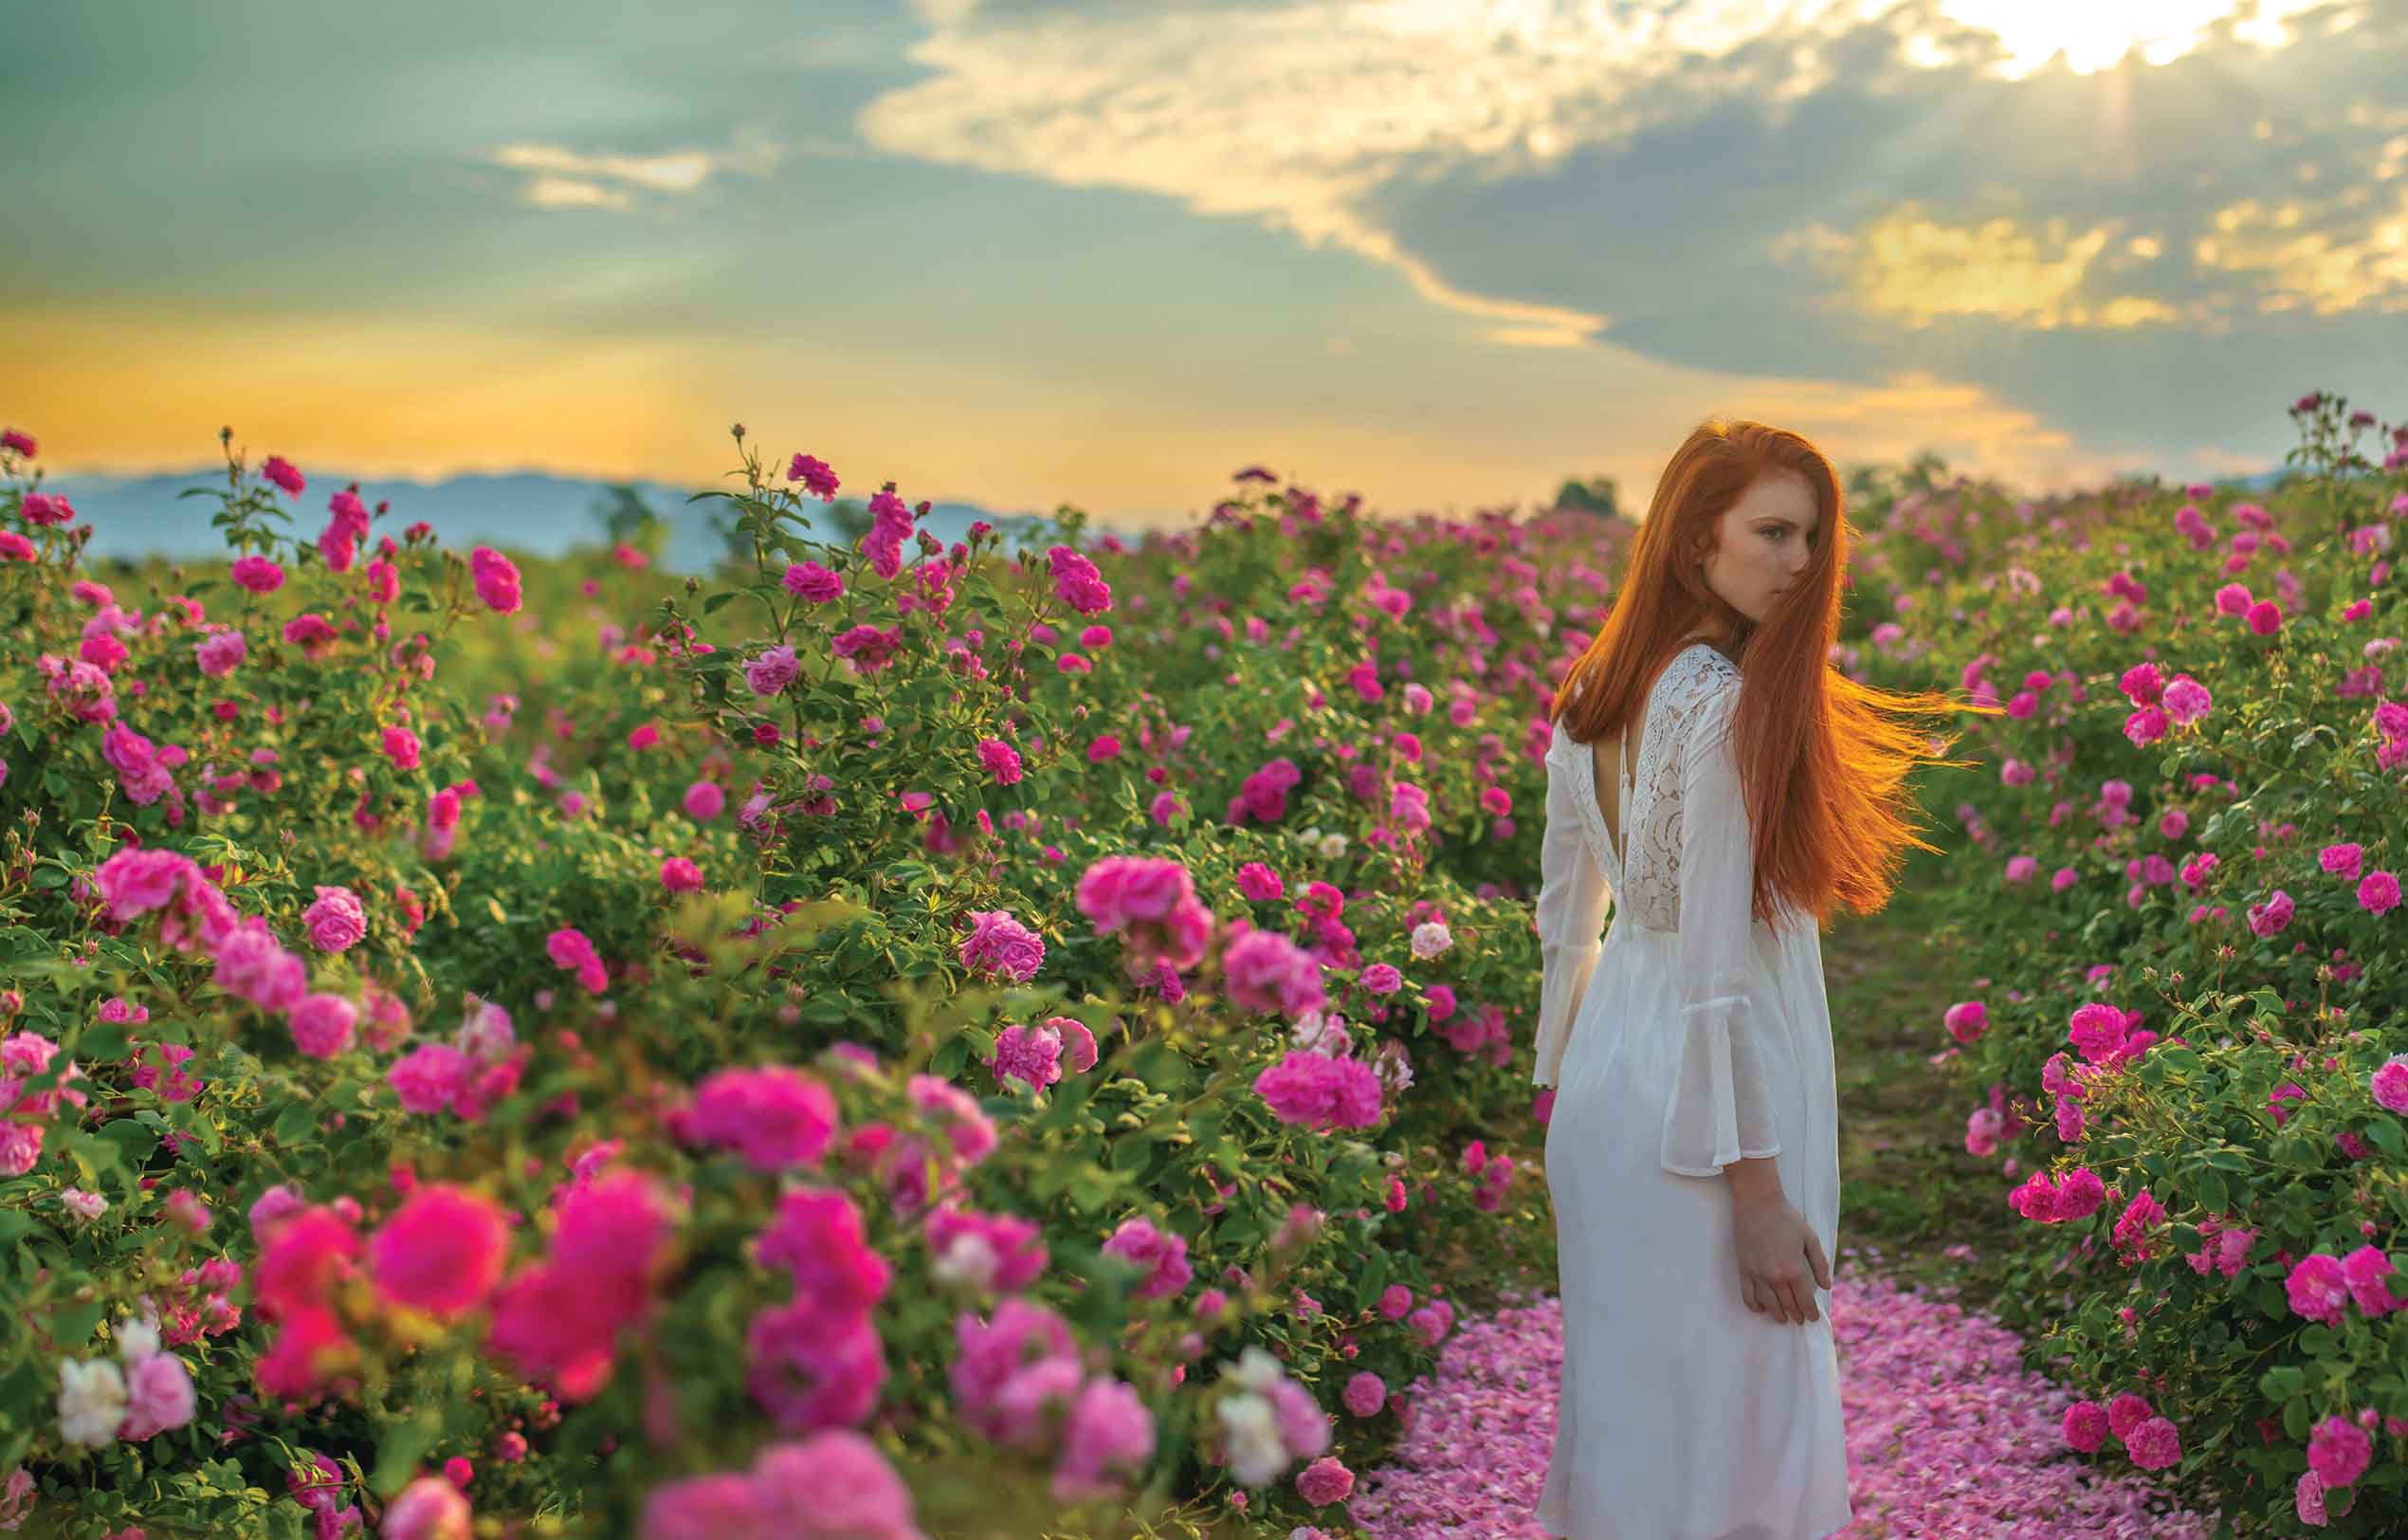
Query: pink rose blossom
(336, 921)
(442, 1252)
(496, 580)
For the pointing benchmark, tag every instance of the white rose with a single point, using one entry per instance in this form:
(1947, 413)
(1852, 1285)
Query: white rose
(1255, 1452)
(1429, 938)
(91, 1401)
(485, 1032)
(970, 1259)
(83, 1205)
(136, 1341)
(1326, 1035)
(1255, 1370)
(1333, 846)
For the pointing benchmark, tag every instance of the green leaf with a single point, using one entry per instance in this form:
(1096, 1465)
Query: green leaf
(72, 1327)
(1374, 1278)
(397, 1456)
(2214, 1196)
(719, 601)
(296, 1123)
(106, 1041)
(1131, 1152)
(190, 1119)
(949, 1058)
(1090, 1191)
(131, 1136)
(2269, 1299)
(1241, 1230)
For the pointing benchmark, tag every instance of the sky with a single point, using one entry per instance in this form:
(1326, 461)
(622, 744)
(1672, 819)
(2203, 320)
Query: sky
(1022, 253)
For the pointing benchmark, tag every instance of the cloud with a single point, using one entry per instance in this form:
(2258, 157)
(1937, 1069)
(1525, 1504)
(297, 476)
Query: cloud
(569, 192)
(2330, 256)
(560, 177)
(1977, 433)
(2017, 39)
(1908, 267)
(1319, 117)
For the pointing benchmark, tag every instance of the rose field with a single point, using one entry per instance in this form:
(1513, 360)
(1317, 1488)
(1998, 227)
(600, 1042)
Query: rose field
(1031, 1036)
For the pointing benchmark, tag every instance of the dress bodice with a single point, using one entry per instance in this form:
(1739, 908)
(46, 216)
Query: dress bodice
(1688, 704)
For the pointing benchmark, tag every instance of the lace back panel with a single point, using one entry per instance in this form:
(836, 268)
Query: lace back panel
(1646, 876)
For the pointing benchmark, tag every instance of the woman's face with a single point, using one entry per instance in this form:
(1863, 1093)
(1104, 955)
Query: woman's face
(1764, 543)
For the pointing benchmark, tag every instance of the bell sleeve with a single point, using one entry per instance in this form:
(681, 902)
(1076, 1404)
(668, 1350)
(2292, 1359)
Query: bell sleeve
(1571, 911)
(1720, 1108)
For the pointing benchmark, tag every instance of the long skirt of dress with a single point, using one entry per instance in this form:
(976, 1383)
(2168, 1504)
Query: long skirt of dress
(1684, 1415)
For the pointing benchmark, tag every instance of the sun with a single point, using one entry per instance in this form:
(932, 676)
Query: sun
(2093, 35)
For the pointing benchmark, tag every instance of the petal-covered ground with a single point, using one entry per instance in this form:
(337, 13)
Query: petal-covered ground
(1947, 1434)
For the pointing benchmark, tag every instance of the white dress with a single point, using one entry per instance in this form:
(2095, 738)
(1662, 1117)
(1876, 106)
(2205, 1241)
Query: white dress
(1691, 1036)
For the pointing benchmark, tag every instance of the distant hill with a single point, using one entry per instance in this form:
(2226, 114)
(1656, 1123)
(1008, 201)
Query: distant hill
(533, 513)
(2265, 481)
(543, 515)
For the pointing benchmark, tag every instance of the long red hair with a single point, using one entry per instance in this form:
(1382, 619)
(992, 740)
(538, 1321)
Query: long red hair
(1822, 758)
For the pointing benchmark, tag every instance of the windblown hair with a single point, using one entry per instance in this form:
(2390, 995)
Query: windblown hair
(1822, 758)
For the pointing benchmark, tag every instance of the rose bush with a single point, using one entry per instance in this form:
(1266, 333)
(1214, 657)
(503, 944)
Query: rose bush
(2183, 1029)
(873, 1021)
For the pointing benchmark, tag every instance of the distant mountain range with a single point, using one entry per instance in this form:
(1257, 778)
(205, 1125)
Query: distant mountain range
(540, 514)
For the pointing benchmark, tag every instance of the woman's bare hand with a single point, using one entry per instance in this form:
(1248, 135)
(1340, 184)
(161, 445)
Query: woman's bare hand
(1780, 1258)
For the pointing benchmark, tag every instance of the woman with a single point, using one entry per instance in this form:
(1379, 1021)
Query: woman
(1727, 788)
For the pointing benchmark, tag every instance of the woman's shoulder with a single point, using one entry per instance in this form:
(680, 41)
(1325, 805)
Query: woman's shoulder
(1703, 699)
(1714, 663)
(1701, 674)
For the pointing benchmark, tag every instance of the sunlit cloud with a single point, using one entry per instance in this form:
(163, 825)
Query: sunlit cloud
(2088, 36)
(2326, 258)
(1914, 268)
(560, 177)
(568, 193)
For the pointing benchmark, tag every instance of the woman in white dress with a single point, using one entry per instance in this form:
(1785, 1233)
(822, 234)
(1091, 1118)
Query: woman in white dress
(1715, 779)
